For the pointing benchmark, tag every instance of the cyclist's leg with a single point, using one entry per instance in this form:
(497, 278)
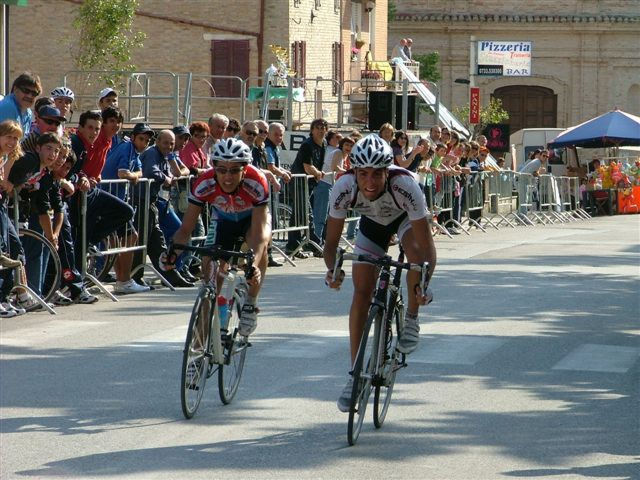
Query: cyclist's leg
(415, 254)
(364, 281)
(372, 239)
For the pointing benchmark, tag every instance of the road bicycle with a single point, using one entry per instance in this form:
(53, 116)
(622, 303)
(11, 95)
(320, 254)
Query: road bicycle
(213, 343)
(378, 360)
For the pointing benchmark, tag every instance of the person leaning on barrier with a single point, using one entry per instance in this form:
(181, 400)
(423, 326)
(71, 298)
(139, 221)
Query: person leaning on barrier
(308, 161)
(48, 119)
(72, 282)
(249, 133)
(159, 165)
(107, 98)
(390, 202)
(63, 100)
(10, 246)
(217, 126)
(386, 132)
(323, 189)
(238, 195)
(192, 154)
(232, 129)
(17, 105)
(105, 213)
(273, 147)
(38, 195)
(123, 162)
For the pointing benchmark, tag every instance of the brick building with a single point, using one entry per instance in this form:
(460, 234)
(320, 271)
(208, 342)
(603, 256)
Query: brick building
(207, 37)
(585, 56)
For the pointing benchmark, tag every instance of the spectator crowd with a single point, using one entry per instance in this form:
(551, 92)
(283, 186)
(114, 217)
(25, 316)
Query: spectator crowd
(87, 187)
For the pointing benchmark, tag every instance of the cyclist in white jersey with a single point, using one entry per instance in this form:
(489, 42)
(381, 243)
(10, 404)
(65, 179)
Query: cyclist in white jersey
(390, 202)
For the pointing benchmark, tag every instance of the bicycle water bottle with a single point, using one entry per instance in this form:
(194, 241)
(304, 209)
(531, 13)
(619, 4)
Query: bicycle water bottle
(223, 310)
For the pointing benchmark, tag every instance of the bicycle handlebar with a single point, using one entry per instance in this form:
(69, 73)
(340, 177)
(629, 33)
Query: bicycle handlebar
(384, 261)
(216, 252)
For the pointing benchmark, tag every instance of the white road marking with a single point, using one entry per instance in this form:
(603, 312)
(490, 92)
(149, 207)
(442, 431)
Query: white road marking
(456, 350)
(599, 358)
(318, 344)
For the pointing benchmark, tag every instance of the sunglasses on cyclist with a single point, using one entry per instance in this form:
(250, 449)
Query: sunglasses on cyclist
(234, 130)
(263, 132)
(232, 171)
(250, 133)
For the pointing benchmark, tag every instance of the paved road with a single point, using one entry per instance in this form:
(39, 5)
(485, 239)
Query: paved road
(528, 368)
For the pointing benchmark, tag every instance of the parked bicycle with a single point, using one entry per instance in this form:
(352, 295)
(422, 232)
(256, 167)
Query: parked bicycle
(378, 360)
(213, 342)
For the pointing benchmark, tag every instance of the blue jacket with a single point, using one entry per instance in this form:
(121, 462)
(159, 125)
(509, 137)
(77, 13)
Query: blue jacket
(10, 110)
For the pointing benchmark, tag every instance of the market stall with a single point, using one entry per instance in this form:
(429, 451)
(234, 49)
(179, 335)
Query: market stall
(614, 184)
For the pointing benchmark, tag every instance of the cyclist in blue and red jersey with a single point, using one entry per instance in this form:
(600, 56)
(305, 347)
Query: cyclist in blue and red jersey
(239, 195)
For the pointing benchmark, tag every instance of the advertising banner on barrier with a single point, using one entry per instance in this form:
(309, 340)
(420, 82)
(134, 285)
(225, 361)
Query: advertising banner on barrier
(515, 57)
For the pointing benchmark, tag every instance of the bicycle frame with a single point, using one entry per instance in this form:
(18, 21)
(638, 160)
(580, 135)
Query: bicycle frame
(231, 280)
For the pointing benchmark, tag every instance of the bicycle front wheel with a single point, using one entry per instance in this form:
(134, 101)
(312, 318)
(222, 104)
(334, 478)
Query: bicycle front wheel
(235, 348)
(388, 362)
(362, 377)
(195, 358)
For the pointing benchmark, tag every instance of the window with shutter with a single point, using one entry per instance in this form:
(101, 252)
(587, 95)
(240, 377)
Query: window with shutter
(299, 61)
(229, 57)
(338, 66)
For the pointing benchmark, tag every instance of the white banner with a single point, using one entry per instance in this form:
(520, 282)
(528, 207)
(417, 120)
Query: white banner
(515, 57)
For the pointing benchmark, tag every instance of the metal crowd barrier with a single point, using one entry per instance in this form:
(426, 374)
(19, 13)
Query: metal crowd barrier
(501, 197)
(473, 199)
(291, 213)
(443, 202)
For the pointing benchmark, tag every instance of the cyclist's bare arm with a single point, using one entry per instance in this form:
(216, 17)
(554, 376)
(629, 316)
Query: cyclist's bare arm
(424, 249)
(189, 221)
(257, 239)
(334, 231)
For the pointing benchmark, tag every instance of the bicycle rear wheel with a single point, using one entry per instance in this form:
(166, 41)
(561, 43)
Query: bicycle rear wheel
(235, 348)
(362, 377)
(195, 360)
(100, 267)
(388, 361)
(33, 242)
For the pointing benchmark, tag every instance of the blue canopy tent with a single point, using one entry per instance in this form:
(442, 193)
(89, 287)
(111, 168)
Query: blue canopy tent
(612, 129)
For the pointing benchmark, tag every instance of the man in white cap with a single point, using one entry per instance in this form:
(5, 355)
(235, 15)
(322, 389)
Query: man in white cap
(108, 97)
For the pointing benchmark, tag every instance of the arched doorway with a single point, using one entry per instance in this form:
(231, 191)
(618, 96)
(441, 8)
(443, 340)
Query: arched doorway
(529, 106)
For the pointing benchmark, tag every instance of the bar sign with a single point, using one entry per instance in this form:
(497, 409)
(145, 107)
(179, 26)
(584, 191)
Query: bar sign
(474, 105)
(490, 70)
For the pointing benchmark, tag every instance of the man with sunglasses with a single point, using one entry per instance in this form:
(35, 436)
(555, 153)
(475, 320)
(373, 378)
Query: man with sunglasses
(48, 119)
(17, 105)
(239, 196)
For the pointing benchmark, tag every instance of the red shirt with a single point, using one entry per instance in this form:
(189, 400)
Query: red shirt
(252, 192)
(192, 156)
(96, 154)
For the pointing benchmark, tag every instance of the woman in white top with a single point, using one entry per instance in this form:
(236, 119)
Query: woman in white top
(323, 188)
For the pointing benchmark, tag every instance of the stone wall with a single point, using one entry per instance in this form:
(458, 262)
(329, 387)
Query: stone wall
(586, 51)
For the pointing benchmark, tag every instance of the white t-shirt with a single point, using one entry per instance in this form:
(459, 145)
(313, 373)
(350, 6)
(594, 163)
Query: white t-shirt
(326, 164)
(531, 166)
(403, 194)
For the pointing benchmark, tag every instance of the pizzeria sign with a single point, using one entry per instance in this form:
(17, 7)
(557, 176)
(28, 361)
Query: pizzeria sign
(514, 57)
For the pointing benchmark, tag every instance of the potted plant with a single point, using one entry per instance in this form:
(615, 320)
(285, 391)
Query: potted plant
(370, 78)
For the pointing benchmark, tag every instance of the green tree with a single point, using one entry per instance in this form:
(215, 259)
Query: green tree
(429, 66)
(105, 38)
(492, 113)
(391, 11)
